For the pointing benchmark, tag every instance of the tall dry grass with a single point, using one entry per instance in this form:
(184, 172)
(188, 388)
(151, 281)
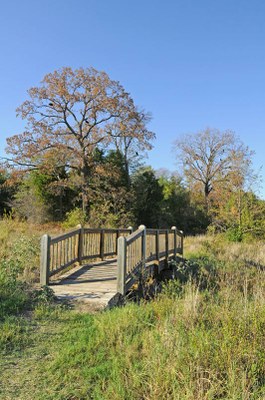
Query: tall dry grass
(202, 338)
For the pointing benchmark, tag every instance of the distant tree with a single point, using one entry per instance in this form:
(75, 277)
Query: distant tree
(178, 207)
(174, 202)
(69, 115)
(147, 198)
(210, 159)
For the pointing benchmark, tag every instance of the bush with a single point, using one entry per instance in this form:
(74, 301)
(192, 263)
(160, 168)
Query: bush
(74, 218)
(201, 271)
(234, 234)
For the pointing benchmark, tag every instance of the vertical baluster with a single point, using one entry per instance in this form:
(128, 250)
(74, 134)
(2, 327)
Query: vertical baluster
(101, 245)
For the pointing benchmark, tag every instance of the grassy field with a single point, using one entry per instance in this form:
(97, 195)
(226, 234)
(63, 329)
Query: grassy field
(202, 338)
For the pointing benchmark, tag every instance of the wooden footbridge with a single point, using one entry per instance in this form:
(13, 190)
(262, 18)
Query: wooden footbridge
(97, 265)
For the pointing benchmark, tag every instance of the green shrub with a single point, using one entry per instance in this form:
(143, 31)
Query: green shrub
(202, 271)
(234, 234)
(74, 218)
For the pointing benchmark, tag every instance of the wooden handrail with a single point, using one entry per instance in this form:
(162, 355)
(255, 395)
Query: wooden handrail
(134, 250)
(62, 251)
(142, 247)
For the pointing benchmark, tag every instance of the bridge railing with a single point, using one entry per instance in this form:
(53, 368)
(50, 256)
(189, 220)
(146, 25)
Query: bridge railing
(60, 252)
(142, 247)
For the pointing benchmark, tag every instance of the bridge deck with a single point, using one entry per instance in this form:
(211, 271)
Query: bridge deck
(95, 284)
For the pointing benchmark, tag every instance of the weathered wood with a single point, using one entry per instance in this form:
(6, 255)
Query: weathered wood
(166, 245)
(45, 260)
(60, 238)
(130, 229)
(122, 249)
(64, 266)
(102, 239)
(143, 229)
(157, 246)
(181, 242)
(174, 228)
(134, 250)
(135, 235)
(80, 244)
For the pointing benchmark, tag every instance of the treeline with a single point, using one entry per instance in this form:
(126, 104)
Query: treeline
(115, 197)
(79, 159)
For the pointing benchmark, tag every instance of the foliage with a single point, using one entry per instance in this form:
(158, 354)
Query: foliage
(178, 207)
(241, 214)
(202, 271)
(234, 234)
(213, 159)
(110, 191)
(74, 218)
(6, 192)
(70, 115)
(28, 203)
(147, 197)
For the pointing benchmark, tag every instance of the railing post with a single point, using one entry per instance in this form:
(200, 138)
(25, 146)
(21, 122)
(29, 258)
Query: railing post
(117, 237)
(156, 266)
(181, 243)
(102, 236)
(80, 244)
(166, 246)
(143, 257)
(130, 228)
(157, 246)
(174, 228)
(45, 260)
(143, 228)
(121, 279)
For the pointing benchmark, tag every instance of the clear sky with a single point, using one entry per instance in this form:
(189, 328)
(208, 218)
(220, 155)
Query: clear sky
(191, 63)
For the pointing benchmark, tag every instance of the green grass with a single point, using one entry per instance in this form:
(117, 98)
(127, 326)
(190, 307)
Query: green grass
(202, 338)
(191, 346)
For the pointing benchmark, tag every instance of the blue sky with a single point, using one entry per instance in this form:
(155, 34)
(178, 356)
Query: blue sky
(192, 64)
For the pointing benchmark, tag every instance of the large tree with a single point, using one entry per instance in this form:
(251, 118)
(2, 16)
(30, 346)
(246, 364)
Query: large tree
(70, 115)
(211, 159)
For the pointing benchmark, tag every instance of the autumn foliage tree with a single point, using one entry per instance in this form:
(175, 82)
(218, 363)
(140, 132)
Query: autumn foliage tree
(71, 115)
